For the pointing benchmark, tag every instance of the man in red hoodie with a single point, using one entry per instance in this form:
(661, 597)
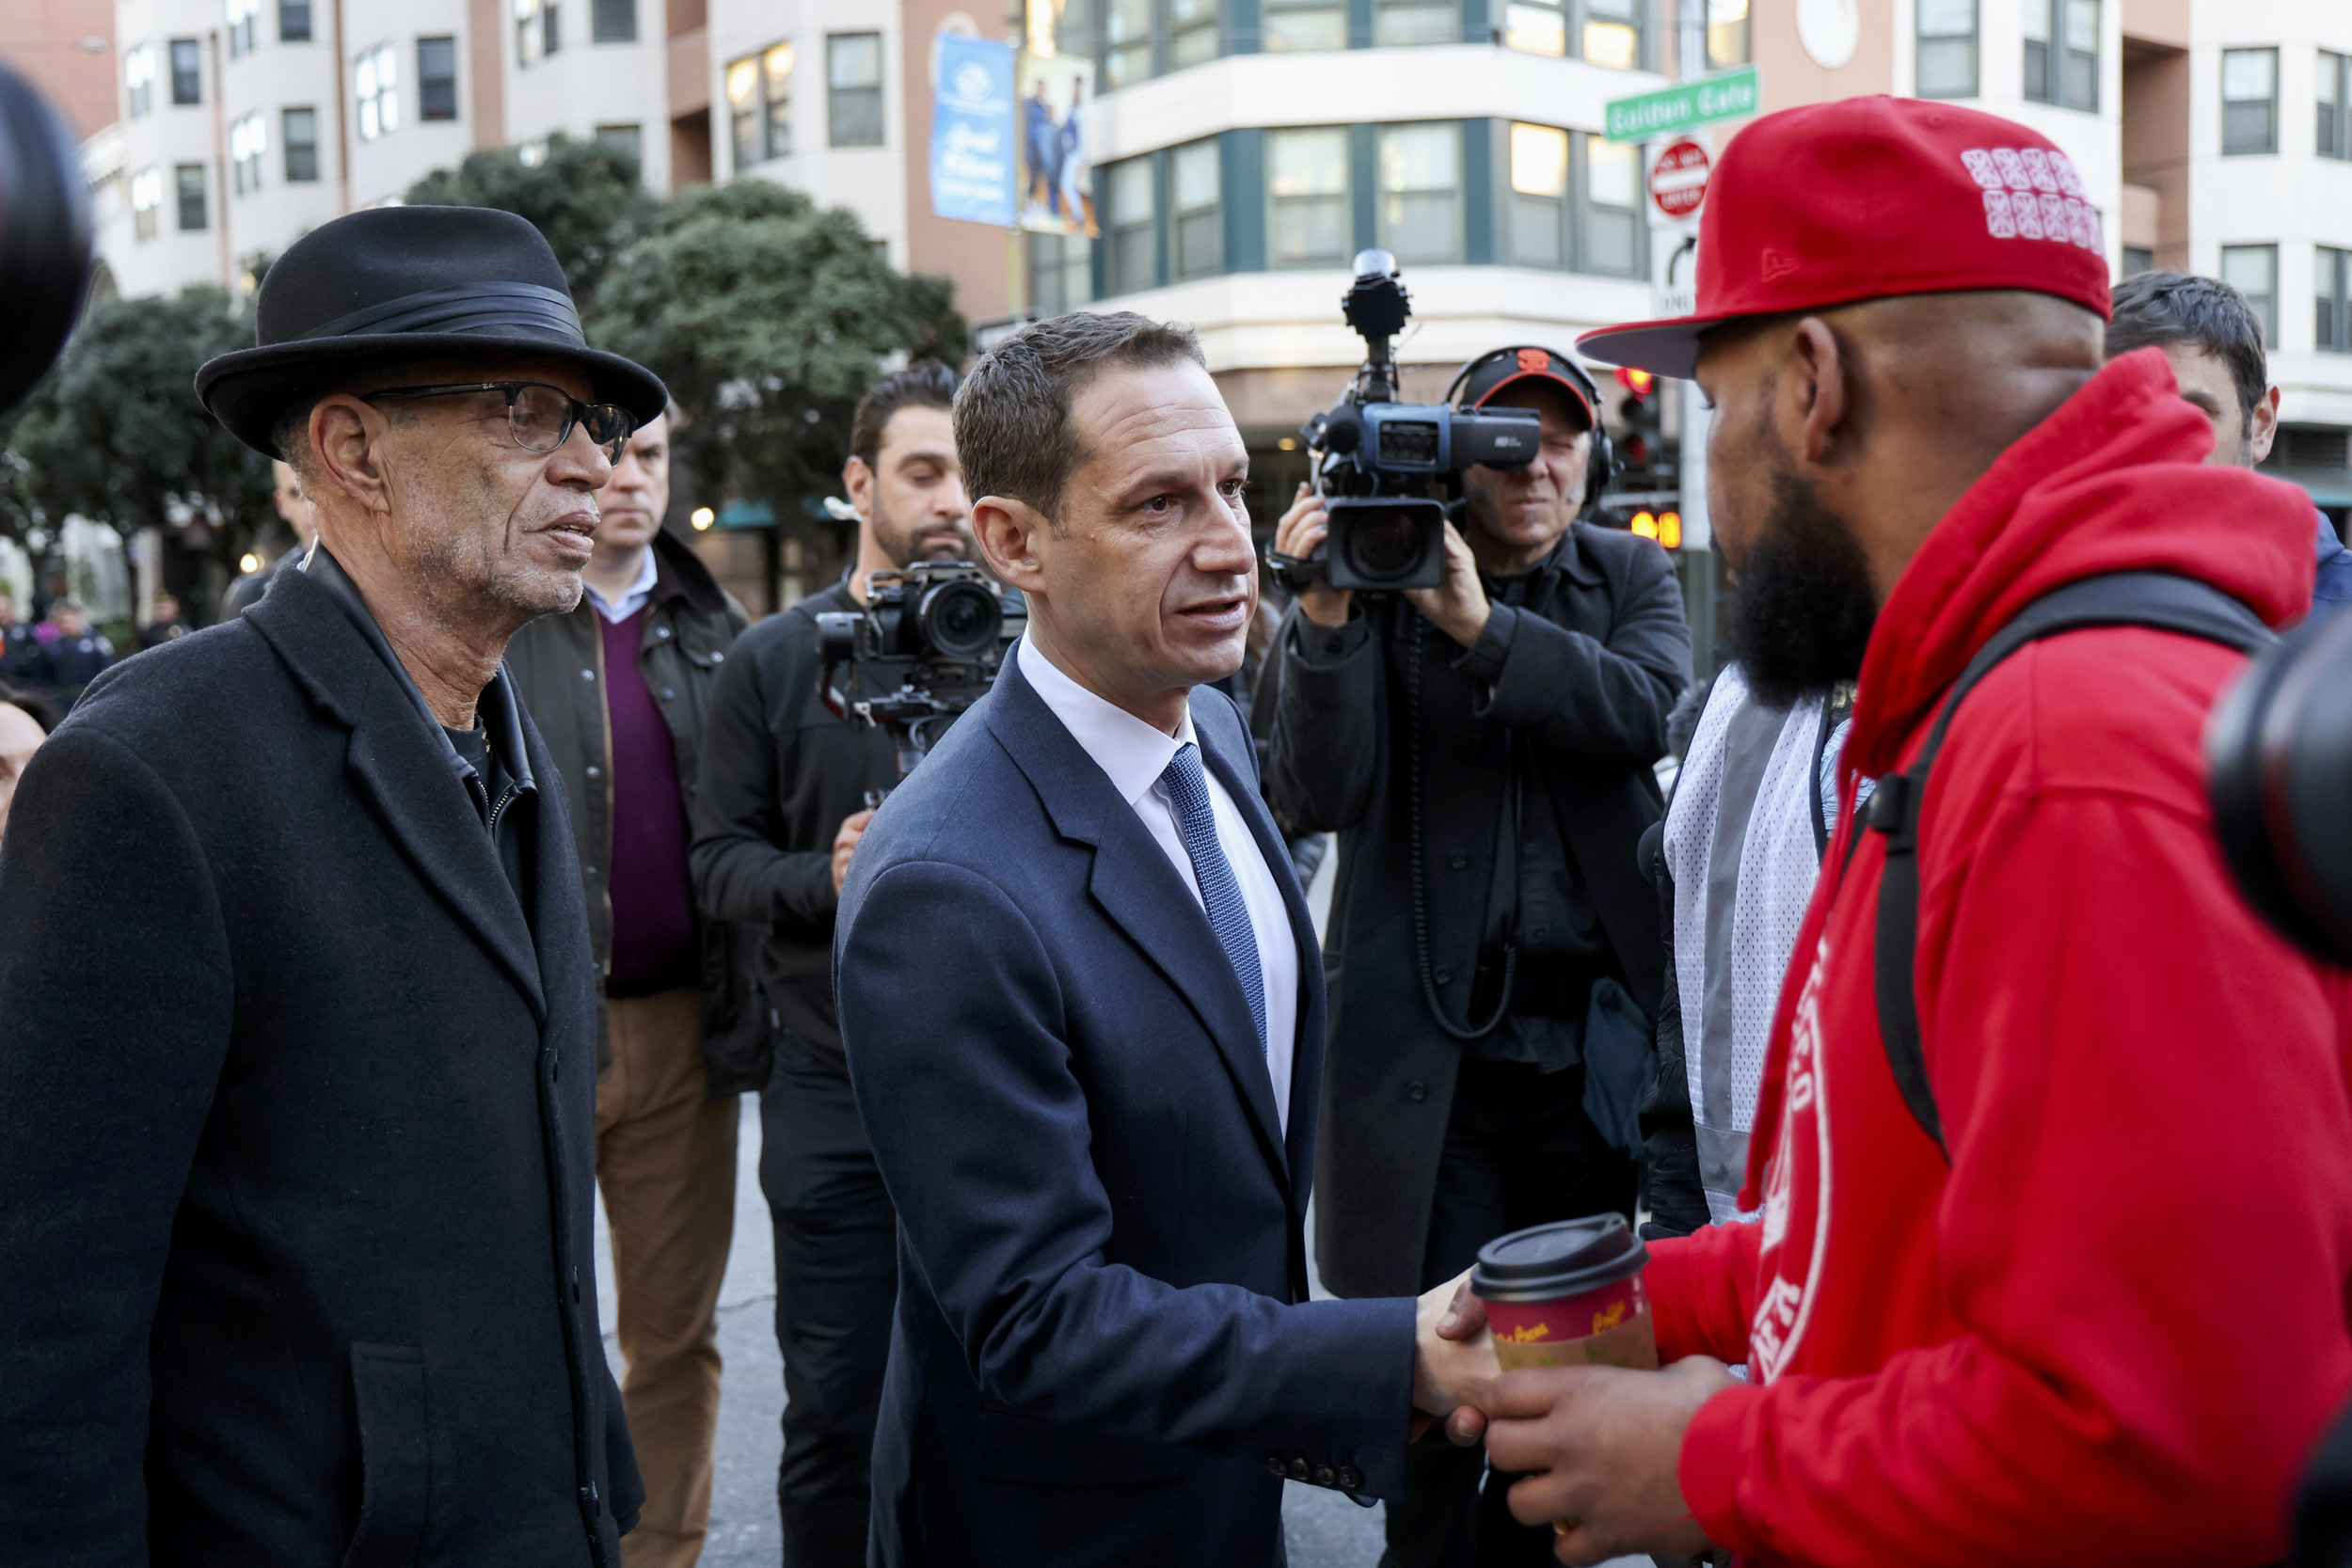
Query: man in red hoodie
(2109, 1326)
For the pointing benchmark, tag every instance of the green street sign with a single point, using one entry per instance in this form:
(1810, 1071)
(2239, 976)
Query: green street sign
(1728, 96)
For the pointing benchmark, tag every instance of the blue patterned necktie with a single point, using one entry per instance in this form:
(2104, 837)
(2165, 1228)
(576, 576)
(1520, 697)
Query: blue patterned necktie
(1187, 789)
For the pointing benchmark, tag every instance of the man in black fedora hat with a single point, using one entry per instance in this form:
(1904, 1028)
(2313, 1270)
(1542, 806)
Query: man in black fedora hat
(297, 1028)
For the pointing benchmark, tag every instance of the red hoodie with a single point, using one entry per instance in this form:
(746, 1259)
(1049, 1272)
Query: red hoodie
(2112, 1329)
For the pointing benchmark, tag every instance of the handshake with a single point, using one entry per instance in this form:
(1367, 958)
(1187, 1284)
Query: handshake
(1598, 1446)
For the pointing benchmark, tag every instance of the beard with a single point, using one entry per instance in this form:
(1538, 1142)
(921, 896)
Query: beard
(905, 548)
(1806, 603)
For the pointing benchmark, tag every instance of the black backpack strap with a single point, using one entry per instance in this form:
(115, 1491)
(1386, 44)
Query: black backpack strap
(2162, 601)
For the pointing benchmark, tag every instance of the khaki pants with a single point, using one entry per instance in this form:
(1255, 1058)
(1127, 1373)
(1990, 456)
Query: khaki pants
(665, 1159)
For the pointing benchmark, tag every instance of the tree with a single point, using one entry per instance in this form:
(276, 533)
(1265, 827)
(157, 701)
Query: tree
(769, 317)
(116, 433)
(584, 197)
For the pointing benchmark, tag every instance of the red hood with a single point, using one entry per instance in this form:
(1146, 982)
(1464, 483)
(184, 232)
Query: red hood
(2115, 481)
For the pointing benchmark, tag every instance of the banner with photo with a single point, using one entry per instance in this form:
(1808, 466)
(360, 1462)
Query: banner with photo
(974, 158)
(1057, 194)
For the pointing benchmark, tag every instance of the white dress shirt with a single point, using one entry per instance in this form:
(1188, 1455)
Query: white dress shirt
(632, 601)
(1134, 755)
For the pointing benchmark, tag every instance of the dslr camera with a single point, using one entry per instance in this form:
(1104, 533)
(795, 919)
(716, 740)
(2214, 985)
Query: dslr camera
(926, 648)
(1389, 468)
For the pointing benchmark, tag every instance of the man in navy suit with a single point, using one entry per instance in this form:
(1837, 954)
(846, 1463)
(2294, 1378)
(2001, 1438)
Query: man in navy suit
(1084, 1017)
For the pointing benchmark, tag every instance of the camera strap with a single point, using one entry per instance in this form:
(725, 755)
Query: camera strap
(2161, 601)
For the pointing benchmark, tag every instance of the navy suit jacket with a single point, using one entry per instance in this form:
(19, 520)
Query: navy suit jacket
(1103, 1350)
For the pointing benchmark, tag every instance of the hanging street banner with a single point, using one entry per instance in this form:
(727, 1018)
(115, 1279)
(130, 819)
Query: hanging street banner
(1057, 182)
(974, 153)
(1730, 95)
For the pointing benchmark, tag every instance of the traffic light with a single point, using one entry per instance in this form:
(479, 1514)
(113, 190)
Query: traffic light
(1640, 411)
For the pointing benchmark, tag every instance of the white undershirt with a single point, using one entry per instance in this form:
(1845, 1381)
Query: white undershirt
(1134, 754)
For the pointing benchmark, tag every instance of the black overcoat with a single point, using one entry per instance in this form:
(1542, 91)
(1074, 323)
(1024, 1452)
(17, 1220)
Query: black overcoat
(296, 1134)
(1583, 677)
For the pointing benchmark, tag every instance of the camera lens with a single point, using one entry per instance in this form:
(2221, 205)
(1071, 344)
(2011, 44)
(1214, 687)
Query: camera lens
(962, 620)
(1384, 545)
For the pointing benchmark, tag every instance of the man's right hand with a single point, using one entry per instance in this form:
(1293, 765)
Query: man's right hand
(1299, 534)
(1453, 1362)
(845, 844)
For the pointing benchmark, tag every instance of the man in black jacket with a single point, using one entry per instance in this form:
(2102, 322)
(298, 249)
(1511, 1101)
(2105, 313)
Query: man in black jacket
(297, 1022)
(619, 686)
(1484, 749)
(785, 796)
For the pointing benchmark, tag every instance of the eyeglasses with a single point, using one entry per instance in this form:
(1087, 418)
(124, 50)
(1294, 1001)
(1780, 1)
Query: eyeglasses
(541, 418)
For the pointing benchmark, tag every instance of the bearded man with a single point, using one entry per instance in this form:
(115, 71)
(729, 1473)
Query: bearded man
(297, 1016)
(2056, 1164)
(781, 803)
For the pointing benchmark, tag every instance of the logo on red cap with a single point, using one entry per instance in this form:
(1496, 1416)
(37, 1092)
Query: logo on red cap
(1535, 362)
(2034, 194)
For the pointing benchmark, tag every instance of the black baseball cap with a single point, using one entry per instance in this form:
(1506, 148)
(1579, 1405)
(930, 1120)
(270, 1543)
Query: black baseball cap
(1483, 377)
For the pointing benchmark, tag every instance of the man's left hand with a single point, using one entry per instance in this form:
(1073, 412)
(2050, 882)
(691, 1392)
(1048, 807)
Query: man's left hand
(1599, 1445)
(1456, 607)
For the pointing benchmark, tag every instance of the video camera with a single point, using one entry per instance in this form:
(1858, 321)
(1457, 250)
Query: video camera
(1379, 461)
(2281, 750)
(44, 236)
(926, 648)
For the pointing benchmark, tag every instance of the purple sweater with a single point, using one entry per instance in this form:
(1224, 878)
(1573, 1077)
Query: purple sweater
(653, 900)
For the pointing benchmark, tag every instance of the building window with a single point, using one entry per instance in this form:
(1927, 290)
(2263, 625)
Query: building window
(293, 21)
(1420, 192)
(628, 141)
(1406, 24)
(1947, 48)
(2139, 258)
(301, 128)
(612, 21)
(2249, 101)
(138, 80)
(1606, 32)
(1294, 26)
(1538, 217)
(187, 73)
(436, 78)
(2252, 270)
(1307, 205)
(248, 139)
(240, 15)
(147, 195)
(2334, 320)
(1613, 206)
(1199, 183)
(1061, 274)
(188, 189)
(2334, 92)
(853, 87)
(375, 80)
(1126, 42)
(1191, 32)
(1726, 33)
(551, 26)
(2063, 53)
(759, 102)
(1132, 226)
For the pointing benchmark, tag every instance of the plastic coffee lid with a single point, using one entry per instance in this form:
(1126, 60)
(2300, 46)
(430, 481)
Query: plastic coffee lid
(1569, 1257)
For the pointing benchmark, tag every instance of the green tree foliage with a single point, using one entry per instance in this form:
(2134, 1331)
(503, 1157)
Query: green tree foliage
(583, 195)
(769, 317)
(115, 430)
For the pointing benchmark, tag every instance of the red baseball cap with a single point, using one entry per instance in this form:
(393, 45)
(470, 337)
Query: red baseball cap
(1870, 198)
(1488, 374)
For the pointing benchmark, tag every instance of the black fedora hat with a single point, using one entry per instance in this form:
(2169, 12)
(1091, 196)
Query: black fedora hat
(394, 284)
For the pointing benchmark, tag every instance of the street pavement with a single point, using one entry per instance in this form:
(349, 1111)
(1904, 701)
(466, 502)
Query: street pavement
(1325, 1529)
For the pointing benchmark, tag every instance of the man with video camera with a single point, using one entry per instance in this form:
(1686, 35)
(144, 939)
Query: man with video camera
(784, 797)
(1484, 749)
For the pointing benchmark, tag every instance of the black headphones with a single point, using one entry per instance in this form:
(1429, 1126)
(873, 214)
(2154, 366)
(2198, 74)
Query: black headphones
(1600, 463)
